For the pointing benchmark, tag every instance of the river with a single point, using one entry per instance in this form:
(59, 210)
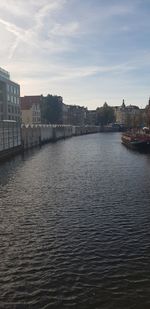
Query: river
(75, 226)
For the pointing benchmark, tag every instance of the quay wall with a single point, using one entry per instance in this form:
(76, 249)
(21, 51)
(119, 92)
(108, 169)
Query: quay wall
(15, 138)
(10, 139)
(8, 153)
(81, 130)
(61, 131)
(36, 135)
(31, 136)
(47, 133)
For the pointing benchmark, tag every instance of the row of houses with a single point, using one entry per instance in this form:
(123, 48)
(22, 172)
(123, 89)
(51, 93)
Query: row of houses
(31, 107)
(27, 109)
(126, 115)
(132, 115)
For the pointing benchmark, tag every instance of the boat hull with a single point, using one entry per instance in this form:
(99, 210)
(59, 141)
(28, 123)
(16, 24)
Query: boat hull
(139, 144)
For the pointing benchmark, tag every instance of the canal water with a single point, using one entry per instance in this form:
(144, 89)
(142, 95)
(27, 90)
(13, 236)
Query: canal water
(75, 226)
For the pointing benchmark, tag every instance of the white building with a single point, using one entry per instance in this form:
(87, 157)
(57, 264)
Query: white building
(31, 109)
(126, 114)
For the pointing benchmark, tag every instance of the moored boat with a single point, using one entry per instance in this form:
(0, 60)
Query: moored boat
(137, 141)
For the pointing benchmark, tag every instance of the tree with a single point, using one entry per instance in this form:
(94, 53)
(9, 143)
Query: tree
(52, 109)
(147, 116)
(105, 114)
(128, 120)
(138, 120)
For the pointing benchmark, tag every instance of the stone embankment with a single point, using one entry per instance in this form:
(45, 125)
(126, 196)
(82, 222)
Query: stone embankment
(36, 135)
(15, 139)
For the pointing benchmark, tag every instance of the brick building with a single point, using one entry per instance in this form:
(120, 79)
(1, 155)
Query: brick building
(31, 109)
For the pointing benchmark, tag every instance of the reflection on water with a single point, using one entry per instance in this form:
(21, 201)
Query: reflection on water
(75, 229)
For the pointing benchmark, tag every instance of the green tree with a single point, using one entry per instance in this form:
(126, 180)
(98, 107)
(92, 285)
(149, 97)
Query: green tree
(147, 116)
(52, 109)
(137, 120)
(128, 120)
(105, 115)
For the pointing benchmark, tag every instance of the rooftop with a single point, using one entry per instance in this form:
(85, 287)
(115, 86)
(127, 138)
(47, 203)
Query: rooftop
(28, 101)
(4, 73)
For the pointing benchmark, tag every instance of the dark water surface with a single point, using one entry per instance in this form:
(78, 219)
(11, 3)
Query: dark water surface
(75, 226)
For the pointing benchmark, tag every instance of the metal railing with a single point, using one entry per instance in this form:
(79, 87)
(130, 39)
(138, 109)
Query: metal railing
(10, 135)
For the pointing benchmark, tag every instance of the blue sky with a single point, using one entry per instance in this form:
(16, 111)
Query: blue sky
(88, 51)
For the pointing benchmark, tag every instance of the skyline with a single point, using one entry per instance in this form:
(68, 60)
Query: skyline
(88, 52)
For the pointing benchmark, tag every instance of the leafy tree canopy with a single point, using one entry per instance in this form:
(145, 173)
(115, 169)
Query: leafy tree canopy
(105, 114)
(51, 109)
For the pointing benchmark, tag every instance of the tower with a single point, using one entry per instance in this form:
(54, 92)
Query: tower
(123, 104)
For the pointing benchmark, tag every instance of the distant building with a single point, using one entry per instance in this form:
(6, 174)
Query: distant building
(147, 114)
(65, 113)
(91, 117)
(76, 115)
(127, 115)
(31, 109)
(9, 98)
(148, 106)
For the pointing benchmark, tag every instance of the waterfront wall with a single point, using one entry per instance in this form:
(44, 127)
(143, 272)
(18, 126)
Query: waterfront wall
(35, 135)
(10, 138)
(15, 138)
(31, 136)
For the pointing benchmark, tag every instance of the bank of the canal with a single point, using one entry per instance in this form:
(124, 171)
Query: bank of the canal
(15, 138)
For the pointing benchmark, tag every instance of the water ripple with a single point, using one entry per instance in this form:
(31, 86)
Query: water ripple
(74, 227)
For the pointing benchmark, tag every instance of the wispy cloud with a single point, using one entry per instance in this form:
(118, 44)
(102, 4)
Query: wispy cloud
(69, 29)
(54, 72)
(81, 72)
(12, 28)
(99, 45)
(31, 35)
(45, 10)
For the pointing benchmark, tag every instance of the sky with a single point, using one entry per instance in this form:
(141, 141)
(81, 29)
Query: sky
(87, 51)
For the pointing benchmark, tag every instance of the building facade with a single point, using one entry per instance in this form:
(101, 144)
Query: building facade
(65, 113)
(146, 113)
(31, 109)
(91, 117)
(127, 115)
(76, 115)
(9, 98)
